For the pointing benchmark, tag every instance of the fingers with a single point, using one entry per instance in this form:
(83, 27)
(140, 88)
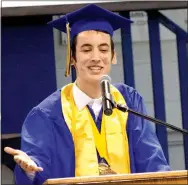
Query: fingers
(11, 151)
(27, 165)
(23, 160)
(38, 169)
(32, 167)
(17, 160)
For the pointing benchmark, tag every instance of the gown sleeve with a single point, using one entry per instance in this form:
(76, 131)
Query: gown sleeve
(38, 142)
(148, 153)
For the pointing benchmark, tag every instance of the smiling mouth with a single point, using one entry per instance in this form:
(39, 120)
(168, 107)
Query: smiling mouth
(95, 68)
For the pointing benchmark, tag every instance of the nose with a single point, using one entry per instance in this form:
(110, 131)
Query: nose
(96, 55)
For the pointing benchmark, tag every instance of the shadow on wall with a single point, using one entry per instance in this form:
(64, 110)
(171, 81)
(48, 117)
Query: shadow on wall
(7, 161)
(7, 175)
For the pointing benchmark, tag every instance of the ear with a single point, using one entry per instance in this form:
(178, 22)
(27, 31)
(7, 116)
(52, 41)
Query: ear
(114, 59)
(73, 62)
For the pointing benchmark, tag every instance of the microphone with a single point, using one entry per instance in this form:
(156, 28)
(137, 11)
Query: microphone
(107, 99)
(109, 104)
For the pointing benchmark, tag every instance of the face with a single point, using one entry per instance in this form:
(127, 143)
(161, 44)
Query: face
(93, 55)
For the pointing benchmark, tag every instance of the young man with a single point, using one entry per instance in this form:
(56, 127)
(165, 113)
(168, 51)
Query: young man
(67, 134)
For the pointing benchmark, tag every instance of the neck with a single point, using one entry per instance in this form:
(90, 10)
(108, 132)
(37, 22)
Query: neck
(93, 90)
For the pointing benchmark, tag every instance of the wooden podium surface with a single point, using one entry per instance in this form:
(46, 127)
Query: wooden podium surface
(171, 177)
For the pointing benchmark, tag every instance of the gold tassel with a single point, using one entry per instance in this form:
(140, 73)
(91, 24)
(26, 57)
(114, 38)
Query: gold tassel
(68, 57)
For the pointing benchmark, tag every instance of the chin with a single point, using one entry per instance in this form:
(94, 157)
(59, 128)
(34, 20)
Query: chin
(96, 77)
(93, 78)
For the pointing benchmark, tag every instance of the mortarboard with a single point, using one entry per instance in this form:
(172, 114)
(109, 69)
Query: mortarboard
(90, 17)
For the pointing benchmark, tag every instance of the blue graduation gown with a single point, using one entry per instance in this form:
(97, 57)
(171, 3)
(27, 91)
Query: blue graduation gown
(48, 141)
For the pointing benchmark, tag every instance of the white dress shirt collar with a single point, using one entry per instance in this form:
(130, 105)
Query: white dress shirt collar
(82, 100)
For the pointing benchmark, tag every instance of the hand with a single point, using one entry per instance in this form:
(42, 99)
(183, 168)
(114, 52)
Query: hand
(22, 159)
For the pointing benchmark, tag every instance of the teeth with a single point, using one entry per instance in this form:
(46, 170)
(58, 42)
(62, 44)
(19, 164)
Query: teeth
(95, 68)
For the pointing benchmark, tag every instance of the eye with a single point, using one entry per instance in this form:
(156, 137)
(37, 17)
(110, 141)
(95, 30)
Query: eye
(104, 50)
(86, 50)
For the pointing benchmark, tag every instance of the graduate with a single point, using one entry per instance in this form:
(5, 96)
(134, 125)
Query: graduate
(67, 134)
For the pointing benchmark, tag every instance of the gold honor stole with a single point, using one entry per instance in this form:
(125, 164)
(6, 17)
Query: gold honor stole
(111, 143)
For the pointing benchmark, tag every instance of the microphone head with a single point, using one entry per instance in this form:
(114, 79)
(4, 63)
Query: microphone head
(105, 78)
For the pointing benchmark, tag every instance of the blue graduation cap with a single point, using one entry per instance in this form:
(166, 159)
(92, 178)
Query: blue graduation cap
(90, 17)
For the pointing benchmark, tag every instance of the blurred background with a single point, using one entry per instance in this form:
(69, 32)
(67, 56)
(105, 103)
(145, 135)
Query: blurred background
(152, 57)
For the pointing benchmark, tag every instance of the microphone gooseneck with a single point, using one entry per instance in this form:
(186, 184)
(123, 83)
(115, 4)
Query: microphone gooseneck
(109, 104)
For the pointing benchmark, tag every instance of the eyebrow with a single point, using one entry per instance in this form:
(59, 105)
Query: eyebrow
(104, 44)
(86, 45)
(89, 45)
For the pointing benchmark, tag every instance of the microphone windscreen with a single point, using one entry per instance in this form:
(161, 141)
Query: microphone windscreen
(105, 77)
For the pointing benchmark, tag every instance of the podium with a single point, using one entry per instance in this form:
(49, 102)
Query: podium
(171, 177)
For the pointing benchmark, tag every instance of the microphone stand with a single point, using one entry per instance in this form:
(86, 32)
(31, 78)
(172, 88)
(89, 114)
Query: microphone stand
(124, 108)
